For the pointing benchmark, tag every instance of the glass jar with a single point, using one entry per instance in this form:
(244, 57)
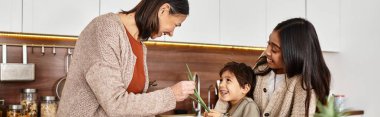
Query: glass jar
(1, 107)
(29, 102)
(15, 111)
(339, 101)
(48, 106)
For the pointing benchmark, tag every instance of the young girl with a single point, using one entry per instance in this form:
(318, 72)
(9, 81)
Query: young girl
(237, 85)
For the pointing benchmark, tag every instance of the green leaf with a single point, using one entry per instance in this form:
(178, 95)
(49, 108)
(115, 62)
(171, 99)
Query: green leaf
(328, 110)
(197, 98)
(190, 76)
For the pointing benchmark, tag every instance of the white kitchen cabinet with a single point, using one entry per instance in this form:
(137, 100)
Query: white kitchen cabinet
(243, 22)
(281, 10)
(64, 17)
(239, 22)
(249, 22)
(10, 12)
(201, 26)
(325, 16)
(116, 6)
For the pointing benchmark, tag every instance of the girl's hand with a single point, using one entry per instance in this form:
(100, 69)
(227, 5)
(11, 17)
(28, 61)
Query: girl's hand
(212, 113)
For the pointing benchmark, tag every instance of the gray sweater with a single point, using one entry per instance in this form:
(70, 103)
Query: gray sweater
(247, 108)
(100, 72)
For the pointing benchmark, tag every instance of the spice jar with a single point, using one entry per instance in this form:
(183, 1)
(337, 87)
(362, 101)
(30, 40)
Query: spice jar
(48, 106)
(1, 107)
(15, 111)
(29, 102)
(339, 101)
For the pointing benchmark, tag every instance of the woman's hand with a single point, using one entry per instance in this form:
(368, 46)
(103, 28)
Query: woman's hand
(183, 89)
(212, 113)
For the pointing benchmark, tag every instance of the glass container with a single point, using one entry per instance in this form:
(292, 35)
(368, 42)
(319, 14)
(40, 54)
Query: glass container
(48, 106)
(15, 111)
(29, 102)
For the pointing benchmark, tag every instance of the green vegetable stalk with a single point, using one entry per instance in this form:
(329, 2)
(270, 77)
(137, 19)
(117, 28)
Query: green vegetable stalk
(197, 97)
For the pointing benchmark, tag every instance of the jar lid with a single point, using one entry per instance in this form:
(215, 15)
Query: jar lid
(48, 98)
(15, 107)
(338, 95)
(29, 90)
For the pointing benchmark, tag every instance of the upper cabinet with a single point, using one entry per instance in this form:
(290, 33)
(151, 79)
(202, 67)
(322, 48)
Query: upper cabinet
(243, 22)
(200, 26)
(64, 17)
(10, 12)
(249, 22)
(115, 6)
(227, 22)
(325, 16)
(281, 10)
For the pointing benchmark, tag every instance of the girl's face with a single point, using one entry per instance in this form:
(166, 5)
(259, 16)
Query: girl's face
(230, 90)
(168, 22)
(273, 52)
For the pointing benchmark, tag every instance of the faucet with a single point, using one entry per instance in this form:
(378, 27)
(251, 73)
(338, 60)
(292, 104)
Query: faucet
(215, 87)
(198, 108)
(211, 106)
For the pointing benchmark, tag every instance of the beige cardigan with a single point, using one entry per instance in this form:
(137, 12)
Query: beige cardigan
(287, 101)
(100, 72)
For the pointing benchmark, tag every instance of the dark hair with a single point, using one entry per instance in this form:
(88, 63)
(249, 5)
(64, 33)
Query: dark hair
(243, 73)
(302, 55)
(146, 14)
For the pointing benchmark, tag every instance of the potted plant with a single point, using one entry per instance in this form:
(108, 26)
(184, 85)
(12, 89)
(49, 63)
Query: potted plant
(329, 110)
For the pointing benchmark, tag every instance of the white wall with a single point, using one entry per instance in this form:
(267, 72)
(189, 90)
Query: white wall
(355, 69)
